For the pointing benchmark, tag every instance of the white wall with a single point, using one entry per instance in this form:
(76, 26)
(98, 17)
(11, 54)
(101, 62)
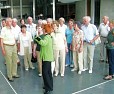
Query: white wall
(107, 8)
(16, 10)
(81, 9)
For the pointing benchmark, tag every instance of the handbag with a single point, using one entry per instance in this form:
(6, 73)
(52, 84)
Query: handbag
(97, 41)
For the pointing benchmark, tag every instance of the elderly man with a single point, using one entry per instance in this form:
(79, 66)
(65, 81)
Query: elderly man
(17, 30)
(90, 35)
(9, 49)
(103, 31)
(31, 27)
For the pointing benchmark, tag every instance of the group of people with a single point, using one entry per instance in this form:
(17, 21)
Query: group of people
(54, 42)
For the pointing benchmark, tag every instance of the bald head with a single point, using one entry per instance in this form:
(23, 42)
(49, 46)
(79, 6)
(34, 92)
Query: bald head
(14, 22)
(29, 20)
(105, 19)
(86, 20)
(8, 22)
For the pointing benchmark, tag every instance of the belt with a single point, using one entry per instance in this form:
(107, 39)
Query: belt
(103, 37)
(9, 44)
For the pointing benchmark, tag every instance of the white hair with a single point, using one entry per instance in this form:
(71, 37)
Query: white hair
(44, 22)
(87, 18)
(62, 19)
(15, 20)
(29, 18)
(40, 21)
(49, 20)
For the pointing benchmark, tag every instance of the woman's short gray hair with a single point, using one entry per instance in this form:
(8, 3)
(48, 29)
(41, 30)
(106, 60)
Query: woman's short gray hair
(62, 19)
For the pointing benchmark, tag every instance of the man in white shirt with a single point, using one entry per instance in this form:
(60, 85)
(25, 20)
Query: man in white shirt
(31, 27)
(17, 30)
(103, 31)
(9, 49)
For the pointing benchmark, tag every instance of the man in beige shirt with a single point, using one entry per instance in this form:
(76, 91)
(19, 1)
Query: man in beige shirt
(9, 49)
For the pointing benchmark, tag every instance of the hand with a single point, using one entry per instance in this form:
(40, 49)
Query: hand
(38, 38)
(91, 41)
(80, 50)
(3, 52)
(66, 49)
(34, 54)
(112, 43)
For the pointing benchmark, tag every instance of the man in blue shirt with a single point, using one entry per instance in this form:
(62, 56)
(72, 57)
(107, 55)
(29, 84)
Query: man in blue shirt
(90, 35)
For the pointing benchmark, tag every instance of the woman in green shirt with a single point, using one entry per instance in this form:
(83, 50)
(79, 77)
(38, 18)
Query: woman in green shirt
(110, 47)
(46, 55)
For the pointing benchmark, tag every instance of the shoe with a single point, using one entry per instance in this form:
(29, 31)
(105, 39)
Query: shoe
(18, 63)
(79, 72)
(62, 75)
(101, 60)
(26, 69)
(66, 65)
(10, 79)
(74, 69)
(43, 87)
(109, 77)
(32, 68)
(40, 75)
(106, 61)
(90, 71)
(16, 76)
(47, 92)
(71, 66)
(56, 74)
(85, 69)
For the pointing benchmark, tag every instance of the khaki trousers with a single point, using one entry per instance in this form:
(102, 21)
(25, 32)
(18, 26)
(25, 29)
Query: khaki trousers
(78, 60)
(60, 53)
(39, 62)
(11, 60)
(103, 48)
(88, 55)
(27, 58)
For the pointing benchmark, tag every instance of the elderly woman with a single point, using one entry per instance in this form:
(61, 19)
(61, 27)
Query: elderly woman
(24, 47)
(59, 44)
(110, 47)
(77, 47)
(62, 26)
(68, 33)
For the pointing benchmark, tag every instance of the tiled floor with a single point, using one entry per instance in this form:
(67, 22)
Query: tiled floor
(71, 83)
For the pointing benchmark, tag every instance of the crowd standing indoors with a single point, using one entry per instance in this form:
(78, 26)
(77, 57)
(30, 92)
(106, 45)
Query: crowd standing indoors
(53, 41)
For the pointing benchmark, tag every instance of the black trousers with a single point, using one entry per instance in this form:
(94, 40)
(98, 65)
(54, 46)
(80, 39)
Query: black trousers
(47, 75)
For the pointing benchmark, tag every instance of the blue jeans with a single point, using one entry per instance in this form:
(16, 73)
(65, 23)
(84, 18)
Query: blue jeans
(69, 56)
(111, 61)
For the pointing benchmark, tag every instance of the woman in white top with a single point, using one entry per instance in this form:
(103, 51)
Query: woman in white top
(25, 47)
(59, 42)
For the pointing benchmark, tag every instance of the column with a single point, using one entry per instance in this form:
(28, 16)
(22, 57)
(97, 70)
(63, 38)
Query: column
(12, 8)
(34, 9)
(53, 9)
(21, 9)
(92, 11)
